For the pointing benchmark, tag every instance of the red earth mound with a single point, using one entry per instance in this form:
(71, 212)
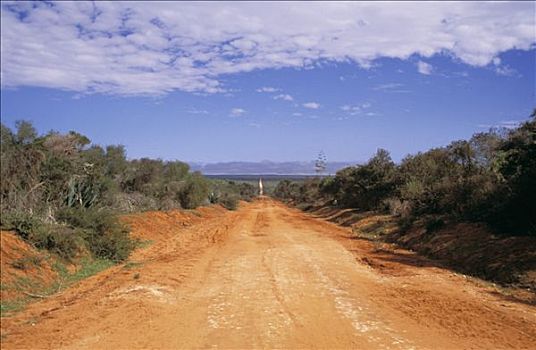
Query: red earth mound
(23, 268)
(159, 225)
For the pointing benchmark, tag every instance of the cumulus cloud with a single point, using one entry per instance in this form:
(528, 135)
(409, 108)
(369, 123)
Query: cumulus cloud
(237, 112)
(152, 48)
(285, 97)
(424, 68)
(311, 105)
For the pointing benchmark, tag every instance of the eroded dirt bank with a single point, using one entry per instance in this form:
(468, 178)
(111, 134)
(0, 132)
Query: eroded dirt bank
(469, 248)
(270, 276)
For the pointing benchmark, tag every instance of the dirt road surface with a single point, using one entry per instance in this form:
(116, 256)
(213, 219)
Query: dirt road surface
(267, 276)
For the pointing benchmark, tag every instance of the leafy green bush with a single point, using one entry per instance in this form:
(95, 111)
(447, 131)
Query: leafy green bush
(247, 191)
(396, 207)
(229, 201)
(513, 206)
(363, 186)
(229, 193)
(23, 223)
(194, 192)
(286, 190)
(491, 177)
(105, 236)
(62, 177)
(56, 238)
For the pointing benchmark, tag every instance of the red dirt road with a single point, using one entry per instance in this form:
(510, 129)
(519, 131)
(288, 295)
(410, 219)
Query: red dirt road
(267, 276)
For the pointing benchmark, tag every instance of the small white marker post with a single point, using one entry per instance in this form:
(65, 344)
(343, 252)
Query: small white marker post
(261, 192)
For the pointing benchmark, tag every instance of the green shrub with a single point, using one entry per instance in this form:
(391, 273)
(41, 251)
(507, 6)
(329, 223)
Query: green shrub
(59, 239)
(513, 209)
(286, 190)
(21, 222)
(228, 193)
(194, 192)
(229, 201)
(395, 207)
(106, 237)
(247, 191)
(364, 186)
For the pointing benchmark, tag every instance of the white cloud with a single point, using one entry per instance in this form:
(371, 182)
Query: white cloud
(285, 97)
(511, 124)
(152, 48)
(507, 71)
(391, 87)
(311, 105)
(504, 70)
(507, 124)
(297, 114)
(356, 110)
(267, 89)
(197, 111)
(237, 112)
(424, 68)
(351, 110)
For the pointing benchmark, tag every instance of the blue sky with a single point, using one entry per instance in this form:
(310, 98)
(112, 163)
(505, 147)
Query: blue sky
(244, 81)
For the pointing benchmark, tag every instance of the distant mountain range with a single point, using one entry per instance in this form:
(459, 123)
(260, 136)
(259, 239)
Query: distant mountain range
(265, 168)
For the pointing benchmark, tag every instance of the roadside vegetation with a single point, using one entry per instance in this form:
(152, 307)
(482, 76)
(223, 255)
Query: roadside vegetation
(63, 194)
(470, 204)
(489, 178)
(37, 274)
(228, 193)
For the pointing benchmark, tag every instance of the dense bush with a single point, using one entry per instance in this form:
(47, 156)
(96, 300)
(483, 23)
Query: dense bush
(287, 190)
(229, 193)
(491, 177)
(23, 223)
(365, 186)
(59, 192)
(194, 192)
(304, 194)
(106, 236)
(513, 207)
(229, 201)
(57, 238)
